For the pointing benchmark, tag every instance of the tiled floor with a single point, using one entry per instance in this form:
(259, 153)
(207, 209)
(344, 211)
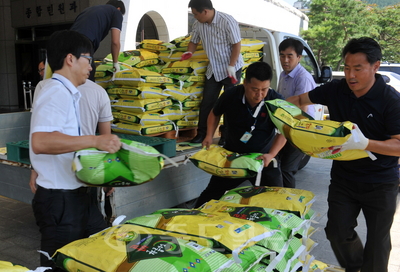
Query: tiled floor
(19, 235)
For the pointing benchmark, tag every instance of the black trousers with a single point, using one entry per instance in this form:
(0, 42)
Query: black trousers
(290, 159)
(218, 185)
(377, 201)
(64, 216)
(211, 92)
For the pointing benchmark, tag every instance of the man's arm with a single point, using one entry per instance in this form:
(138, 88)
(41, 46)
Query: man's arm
(389, 147)
(191, 47)
(59, 143)
(212, 124)
(235, 53)
(279, 142)
(115, 44)
(300, 101)
(104, 128)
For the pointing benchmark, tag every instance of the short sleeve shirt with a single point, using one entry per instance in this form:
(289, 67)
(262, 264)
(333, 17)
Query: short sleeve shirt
(377, 114)
(56, 109)
(95, 22)
(94, 107)
(239, 119)
(217, 39)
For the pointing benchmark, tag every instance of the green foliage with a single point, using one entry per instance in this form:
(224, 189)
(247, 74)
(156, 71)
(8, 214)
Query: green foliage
(334, 22)
(388, 36)
(382, 3)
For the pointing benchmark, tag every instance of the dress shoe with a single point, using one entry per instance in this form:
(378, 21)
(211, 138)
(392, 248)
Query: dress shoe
(221, 141)
(198, 139)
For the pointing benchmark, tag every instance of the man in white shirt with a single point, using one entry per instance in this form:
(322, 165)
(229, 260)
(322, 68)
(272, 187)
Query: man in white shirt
(62, 205)
(220, 36)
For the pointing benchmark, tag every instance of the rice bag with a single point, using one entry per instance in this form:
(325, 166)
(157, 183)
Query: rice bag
(135, 163)
(224, 163)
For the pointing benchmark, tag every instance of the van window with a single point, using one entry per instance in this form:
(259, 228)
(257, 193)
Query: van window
(394, 69)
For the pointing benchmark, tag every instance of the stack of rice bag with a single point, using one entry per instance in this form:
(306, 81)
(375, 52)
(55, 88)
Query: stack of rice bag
(252, 51)
(248, 229)
(155, 92)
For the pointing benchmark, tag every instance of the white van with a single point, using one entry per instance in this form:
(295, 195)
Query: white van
(390, 78)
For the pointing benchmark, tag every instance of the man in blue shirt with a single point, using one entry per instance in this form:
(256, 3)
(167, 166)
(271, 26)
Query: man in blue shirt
(294, 80)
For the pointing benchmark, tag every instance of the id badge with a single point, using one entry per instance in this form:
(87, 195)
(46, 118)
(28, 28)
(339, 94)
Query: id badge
(246, 137)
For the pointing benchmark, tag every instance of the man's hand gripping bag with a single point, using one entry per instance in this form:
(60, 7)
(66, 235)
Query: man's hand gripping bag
(135, 163)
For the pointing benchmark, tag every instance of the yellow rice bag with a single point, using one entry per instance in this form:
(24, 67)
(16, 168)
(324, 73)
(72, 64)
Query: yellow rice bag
(137, 129)
(315, 138)
(140, 77)
(251, 45)
(156, 45)
(133, 248)
(141, 105)
(9, 267)
(293, 200)
(235, 234)
(224, 163)
(176, 55)
(194, 67)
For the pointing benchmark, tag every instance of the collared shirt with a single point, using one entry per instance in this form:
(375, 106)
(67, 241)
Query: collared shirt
(94, 105)
(239, 118)
(377, 114)
(56, 108)
(298, 81)
(217, 39)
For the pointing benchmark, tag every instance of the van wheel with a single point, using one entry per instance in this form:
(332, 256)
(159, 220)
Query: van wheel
(303, 161)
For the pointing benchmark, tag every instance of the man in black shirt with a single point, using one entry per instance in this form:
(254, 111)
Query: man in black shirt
(249, 128)
(95, 23)
(364, 184)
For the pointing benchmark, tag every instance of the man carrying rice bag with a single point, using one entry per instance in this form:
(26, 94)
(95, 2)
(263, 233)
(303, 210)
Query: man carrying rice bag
(249, 128)
(62, 207)
(363, 98)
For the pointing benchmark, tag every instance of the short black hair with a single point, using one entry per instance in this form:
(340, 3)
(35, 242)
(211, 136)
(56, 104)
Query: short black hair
(366, 45)
(201, 5)
(64, 42)
(294, 43)
(118, 4)
(261, 71)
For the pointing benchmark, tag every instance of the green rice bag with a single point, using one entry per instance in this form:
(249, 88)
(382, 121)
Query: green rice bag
(135, 163)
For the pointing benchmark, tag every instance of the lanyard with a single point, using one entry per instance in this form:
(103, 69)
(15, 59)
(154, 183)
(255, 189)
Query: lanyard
(76, 106)
(255, 114)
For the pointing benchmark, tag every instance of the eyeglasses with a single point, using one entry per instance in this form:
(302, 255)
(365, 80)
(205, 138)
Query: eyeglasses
(89, 58)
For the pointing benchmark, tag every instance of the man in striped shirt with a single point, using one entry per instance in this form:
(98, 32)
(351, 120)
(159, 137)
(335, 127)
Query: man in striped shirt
(220, 37)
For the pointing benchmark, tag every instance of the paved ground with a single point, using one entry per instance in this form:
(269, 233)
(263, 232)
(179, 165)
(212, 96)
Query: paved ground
(19, 236)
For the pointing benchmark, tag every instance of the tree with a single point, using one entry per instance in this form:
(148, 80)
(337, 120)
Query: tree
(388, 36)
(333, 23)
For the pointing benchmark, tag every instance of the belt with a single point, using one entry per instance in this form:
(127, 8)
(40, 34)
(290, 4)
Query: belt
(80, 190)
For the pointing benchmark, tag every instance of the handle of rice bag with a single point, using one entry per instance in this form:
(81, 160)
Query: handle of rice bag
(236, 251)
(258, 178)
(142, 152)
